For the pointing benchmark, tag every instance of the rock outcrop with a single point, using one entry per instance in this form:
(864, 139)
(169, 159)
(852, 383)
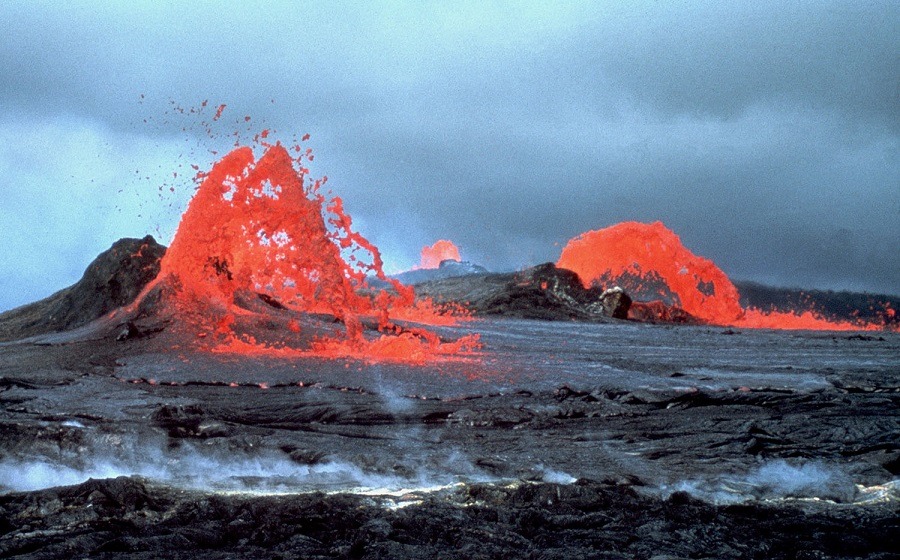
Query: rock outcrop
(659, 312)
(112, 280)
(616, 302)
(550, 293)
(541, 292)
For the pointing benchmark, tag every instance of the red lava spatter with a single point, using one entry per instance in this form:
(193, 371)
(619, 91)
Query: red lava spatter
(255, 227)
(651, 258)
(434, 255)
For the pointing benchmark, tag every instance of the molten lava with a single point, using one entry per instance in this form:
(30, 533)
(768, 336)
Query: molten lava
(255, 232)
(434, 255)
(650, 262)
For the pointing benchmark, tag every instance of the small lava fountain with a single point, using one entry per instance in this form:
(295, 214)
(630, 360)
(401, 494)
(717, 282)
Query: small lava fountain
(649, 262)
(433, 255)
(257, 230)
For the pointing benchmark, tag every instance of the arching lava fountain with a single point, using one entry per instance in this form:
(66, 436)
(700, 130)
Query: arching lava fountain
(649, 262)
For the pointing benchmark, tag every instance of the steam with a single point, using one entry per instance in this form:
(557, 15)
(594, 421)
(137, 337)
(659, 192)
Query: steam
(227, 469)
(775, 480)
(807, 480)
(412, 463)
(193, 469)
(393, 394)
(26, 476)
(554, 476)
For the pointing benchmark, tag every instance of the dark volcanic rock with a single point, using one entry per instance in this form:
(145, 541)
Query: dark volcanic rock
(447, 269)
(113, 280)
(127, 517)
(541, 292)
(549, 293)
(642, 287)
(616, 302)
(659, 312)
(840, 306)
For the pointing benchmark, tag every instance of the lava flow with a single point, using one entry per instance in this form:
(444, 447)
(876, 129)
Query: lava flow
(434, 255)
(649, 262)
(254, 232)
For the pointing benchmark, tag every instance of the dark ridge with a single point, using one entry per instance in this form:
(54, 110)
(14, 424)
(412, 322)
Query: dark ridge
(541, 292)
(447, 269)
(112, 280)
(833, 305)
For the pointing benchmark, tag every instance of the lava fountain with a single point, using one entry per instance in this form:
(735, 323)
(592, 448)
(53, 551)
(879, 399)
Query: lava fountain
(258, 230)
(434, 255)
(650, 262)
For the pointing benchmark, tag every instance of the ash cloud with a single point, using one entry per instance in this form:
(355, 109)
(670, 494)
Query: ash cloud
(765, 135)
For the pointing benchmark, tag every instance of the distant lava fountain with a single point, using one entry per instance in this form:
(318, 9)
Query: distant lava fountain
(254, 231)
(433, 255)
(650, 262)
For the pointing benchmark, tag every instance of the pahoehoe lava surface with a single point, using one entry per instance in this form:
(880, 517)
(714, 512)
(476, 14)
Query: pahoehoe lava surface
(593, 438)
(572, 440)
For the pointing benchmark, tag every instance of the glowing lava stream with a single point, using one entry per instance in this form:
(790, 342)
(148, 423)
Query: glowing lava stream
(650, 262)
(254, 228)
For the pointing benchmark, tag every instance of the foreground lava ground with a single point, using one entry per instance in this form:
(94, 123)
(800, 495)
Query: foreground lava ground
(127, 518)
(564, 440)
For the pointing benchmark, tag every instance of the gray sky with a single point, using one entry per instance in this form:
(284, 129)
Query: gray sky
(764, 133)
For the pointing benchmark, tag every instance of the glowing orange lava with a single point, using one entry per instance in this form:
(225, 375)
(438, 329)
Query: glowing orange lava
(256, 229)
(654, 260)
(433, 255)
(650, 262)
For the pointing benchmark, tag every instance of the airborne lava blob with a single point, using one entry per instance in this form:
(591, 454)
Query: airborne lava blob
(255, 231)
(650, 262)
(434, 255)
